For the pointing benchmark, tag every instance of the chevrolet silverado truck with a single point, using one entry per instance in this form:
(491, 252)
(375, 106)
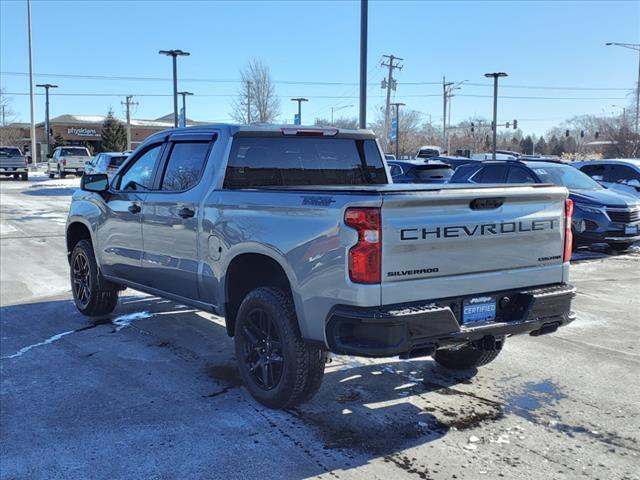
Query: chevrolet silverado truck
(67, 160)
(13, 163)
(297, 237)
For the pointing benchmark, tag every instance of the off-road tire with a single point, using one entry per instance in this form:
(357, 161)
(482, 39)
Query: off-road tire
(102, 297)
(24, 177)
(302, 364)
(465, 357)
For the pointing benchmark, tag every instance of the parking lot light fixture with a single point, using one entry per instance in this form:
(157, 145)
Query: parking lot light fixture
(495, 76)
(47, 135)
(174, 54)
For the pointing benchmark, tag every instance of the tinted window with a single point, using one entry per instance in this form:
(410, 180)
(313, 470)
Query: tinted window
(566, 176)
(433, 174)
(594, 170)
(265, 161)
(519, 175)
(395, 170)
(491, 174)
(622, 172)
(9, 152)
(185, 165)
(74, 152)
(462, 173)
(139, 175)
(117, 161)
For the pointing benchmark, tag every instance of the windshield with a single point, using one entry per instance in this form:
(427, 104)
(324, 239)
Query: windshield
(566, 176)
(440, 174)
(10, 152)
(75, 152)
(428, 153)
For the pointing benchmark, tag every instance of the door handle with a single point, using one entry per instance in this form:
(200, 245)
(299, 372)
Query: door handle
(186, 213)
(134, 208)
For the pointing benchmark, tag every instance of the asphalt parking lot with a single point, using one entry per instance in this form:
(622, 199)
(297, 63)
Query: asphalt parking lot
(153, 392)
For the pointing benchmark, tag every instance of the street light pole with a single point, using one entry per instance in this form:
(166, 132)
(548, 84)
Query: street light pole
(299, 100)
(47, 134)
(495, 77)
(333, 109)
(364, 6)
(398, 105)
(184, 105)
(174, 54)
(31, 93)
(636, 47)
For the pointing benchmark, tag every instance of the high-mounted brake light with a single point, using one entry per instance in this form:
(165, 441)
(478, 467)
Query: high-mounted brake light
(366, 255)
(309, 132)
(568, 234)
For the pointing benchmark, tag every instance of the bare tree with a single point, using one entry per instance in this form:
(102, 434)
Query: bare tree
(342, 122)
(258, 92)
(7, 115)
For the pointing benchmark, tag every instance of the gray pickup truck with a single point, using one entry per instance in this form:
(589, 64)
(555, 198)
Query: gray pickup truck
(297, 237)
(13, 163)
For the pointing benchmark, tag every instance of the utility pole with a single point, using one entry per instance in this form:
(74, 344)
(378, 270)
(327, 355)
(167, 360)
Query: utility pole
(249, 83)
(47, 133)
(495, 77)
(390, 84)
(363, 62)
(636, 47)
(397, 141)
(445, 98)
(31, 93)
(3, 122)
(299, 100)
(175, 54)
(128, 103)
(184, 105)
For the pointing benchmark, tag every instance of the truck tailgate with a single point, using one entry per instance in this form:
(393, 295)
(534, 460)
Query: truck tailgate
(471, 240)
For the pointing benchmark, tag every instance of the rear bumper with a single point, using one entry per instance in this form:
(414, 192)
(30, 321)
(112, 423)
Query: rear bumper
(421, 328)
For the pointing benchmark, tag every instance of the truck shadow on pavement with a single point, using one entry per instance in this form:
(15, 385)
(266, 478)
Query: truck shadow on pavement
(157, 366)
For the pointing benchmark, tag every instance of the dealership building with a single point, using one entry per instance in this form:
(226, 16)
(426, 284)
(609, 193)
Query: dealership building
(83, 130)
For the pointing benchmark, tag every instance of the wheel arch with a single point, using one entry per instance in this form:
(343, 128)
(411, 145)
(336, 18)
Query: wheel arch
(246, 272)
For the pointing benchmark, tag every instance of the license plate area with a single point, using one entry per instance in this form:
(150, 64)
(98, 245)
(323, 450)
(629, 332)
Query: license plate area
(478, 310)
(631, 229)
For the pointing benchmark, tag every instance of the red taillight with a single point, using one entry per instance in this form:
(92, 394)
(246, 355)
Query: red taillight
(568, 234)
(366, 255)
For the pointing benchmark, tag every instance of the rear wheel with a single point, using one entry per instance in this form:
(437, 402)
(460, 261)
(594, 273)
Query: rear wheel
(90, 293)
(24, 176)
(471, 355)
(278, 368)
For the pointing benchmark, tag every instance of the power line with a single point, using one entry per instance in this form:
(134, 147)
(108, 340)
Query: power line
(231, 95)
(298, 82)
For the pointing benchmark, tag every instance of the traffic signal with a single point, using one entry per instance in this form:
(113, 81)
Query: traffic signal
(581, 133)
(566, 133)
(506, 124)
(472, 127)
(515, 124)
(597, 134)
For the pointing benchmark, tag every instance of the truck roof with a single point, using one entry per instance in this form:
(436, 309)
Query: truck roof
(269, 130)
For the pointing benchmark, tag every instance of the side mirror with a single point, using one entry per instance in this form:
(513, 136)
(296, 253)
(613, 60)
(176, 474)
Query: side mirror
(95, 182)
(634, 182)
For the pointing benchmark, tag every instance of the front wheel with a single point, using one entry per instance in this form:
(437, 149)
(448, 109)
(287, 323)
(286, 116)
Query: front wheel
(62, 173)
(90, 294)
(278, 368)
(468, 356)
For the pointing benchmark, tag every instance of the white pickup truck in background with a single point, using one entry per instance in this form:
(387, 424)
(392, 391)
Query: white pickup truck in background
(67, 160)
(13, 162)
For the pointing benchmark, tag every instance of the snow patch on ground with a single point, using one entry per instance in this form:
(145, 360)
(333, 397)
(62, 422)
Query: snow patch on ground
(125, 320)
(5, 229)
(48, 341)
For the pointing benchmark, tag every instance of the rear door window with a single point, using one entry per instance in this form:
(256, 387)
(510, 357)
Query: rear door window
(520, 175)
(299, 161)
(491, 174)
(595, 171)
(185, 165)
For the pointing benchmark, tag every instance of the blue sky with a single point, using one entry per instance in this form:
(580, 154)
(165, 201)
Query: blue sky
(540, 44)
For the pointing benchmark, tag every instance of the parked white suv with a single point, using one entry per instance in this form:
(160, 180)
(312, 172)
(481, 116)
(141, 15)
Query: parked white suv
(67, 160)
